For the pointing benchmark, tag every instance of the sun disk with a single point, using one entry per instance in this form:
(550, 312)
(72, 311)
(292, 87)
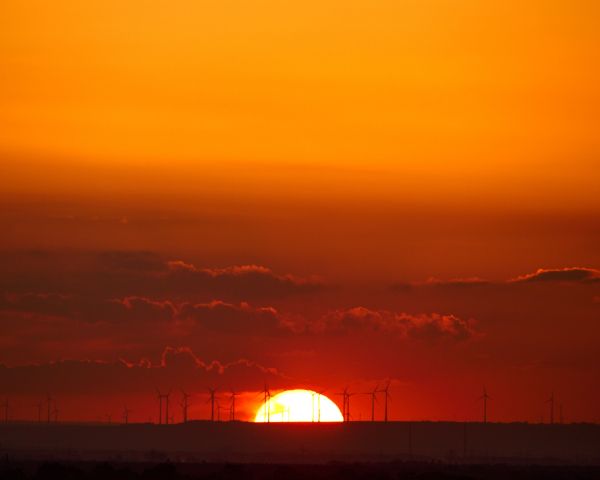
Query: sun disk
(299, 406)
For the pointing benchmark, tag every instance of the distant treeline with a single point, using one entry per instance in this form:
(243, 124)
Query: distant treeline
(229, 471)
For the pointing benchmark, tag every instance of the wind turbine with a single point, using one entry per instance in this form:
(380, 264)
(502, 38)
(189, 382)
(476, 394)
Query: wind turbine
(344, 394)
(160, 406)
(386, 391)
(184, 405)
(6, 407)
(346, 403)
(219, 408)
(167, 408)
(373, 394)
(126, 413)
(49, 401)
(485, 397)
(212, 392)
(232, 406)
(348, 395)
(39, 406)
(319, 395)
(267, 400)
(551, 402)
(55, 412)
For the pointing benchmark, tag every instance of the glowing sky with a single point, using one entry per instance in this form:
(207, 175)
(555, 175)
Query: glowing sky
(277, 186)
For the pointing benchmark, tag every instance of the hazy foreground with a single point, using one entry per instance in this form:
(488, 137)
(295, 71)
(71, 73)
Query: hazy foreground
(383, 471)
(451, 443)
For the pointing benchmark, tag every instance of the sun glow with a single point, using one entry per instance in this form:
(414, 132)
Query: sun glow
(298, 406)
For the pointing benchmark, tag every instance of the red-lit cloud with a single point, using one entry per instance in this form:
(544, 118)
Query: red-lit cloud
(425, 326)
(566, 275)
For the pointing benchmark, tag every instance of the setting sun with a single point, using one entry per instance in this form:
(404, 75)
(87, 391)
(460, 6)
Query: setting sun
(298, 406)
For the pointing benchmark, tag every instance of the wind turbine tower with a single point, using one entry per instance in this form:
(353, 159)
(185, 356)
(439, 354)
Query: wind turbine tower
(267, 400)
(348, 395)
(344, 394)
(5, 406)
(39, 406)
(551, 402)
(485, 397)
(167, 408)
(162, 396)
(184, 405)
(126, 413)
(386, 391)
(373, 394)
(319, 395)
(49, 400)
(212, 393)
(232, 406)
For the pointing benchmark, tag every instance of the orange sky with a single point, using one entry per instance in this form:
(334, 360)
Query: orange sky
(378, 149)
(429, 98)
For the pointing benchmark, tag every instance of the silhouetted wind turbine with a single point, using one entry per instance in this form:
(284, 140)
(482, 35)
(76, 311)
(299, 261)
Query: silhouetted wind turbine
(386, 391)
(373, 393)
(551, 402)
(267, 400)
(39, 406)
(219, 408)
(162, 396)
(126, 413)
(232, 406)
(211, 399)
(6, 407)
(49, 401)
(346, 403)
(485, 397)
(344, 394)
(185, 405)
(319, 394)
(167, 408)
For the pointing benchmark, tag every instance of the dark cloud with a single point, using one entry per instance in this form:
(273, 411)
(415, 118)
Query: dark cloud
(88, 309)
(456, 282)
(116, 274)
(177, 368)
(240, 282)
(47, 304)
(144, 309)
(229, 318)
(581, 275)
(142, 261)
(437, 282)
(425, 326)
(238, 319)
(567, 275)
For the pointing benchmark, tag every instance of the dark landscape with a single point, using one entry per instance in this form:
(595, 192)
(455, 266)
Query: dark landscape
(306, 443)
(216, 471)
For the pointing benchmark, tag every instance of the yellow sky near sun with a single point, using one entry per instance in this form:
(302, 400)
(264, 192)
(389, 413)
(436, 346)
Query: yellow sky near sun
(419, 94)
